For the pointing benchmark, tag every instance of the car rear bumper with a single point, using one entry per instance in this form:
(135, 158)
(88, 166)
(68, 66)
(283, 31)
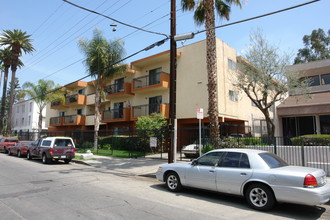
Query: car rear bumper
(305, 196)
(61, 157)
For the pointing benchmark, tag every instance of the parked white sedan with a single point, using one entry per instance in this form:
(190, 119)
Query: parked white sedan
(260, 176)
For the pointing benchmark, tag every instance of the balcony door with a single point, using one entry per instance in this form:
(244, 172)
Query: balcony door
(154, 76)
(154, 104)
(118, 110)
(119, 85)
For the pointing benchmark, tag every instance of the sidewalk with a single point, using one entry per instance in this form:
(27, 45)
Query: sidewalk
(145, 166)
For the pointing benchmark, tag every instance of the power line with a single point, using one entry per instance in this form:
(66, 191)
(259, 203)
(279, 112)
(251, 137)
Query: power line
(158, 43)
(115, 20)
(256, 17)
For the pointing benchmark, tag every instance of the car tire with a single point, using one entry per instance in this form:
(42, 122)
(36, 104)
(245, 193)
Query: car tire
(67, 161)
(260, 197)
(173, 182)
(5, 150)
(9, 153)
(44, 159)
(19, 153)
(28, 155)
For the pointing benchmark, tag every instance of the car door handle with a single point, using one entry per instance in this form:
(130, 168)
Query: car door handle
(243, 174)
(211, 171)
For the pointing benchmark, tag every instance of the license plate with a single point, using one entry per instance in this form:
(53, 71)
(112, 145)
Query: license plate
(63, 156)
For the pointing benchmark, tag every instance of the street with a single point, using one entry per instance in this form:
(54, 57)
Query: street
(32, 190)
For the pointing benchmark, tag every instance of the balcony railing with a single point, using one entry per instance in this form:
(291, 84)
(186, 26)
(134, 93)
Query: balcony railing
(144, 110)
(160, 80)
(114, 88)
(55, 121)
(121, 114)
(75, 99)
(74, 120)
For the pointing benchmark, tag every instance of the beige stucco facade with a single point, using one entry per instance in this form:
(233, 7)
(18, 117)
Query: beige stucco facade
(148, 83)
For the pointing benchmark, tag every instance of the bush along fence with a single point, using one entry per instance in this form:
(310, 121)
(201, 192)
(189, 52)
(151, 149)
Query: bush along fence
(308, 150)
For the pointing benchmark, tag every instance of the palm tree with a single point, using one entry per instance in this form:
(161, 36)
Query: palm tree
(17, 41)
(204, 14)
(5, 60)
(100, 57)
(41, 94)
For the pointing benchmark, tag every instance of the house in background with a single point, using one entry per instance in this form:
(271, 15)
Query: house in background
(144, 89)
(26, 116)
(299, 115)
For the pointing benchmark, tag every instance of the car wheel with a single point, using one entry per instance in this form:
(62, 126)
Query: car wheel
(45, 160)
(9, 153)
(260, 197)
(19, 153)
(173, 182)
(5, 150)
(67, 161)
(28, 155)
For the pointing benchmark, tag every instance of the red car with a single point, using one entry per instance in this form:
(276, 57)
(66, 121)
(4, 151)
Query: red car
(20, 148)
(6, 142)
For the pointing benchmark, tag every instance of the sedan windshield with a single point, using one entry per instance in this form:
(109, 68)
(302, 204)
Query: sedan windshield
(272, 160)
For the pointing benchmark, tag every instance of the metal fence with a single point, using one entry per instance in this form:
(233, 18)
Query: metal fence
(311, 152)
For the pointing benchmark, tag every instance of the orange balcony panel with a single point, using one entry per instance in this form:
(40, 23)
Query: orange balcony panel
(165, 110)
(126, 91)
(142, 84)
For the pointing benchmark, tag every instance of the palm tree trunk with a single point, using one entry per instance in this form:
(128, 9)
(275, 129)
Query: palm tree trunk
(3, 100)
(12, 97)
(40, 121)
(211, 59)
(97, 116)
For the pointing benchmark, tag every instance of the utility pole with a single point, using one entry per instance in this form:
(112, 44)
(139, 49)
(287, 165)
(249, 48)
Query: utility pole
(173, 57)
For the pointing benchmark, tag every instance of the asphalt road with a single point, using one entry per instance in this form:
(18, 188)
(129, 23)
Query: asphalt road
(32, 190)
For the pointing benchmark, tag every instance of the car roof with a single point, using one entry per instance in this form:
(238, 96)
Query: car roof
(241, 150)
(52, 138)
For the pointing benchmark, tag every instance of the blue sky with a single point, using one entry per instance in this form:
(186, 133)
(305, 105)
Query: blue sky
(56, 28)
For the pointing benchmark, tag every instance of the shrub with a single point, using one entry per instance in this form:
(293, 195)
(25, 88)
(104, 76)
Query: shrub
(232, 143)
(86, 144)
(312, 140)
(207, 148)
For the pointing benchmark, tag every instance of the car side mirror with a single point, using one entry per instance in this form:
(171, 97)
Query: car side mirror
(194, 162)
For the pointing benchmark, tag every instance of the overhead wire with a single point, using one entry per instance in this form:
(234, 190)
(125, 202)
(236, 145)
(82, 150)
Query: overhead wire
(115, 20)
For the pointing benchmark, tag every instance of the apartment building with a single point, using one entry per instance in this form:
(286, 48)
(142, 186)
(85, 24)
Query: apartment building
(26, 116)
(299, 114)
(144, 89)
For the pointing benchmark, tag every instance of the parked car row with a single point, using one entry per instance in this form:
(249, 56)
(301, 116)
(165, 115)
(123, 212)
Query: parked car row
(261, 177)
(47, 149)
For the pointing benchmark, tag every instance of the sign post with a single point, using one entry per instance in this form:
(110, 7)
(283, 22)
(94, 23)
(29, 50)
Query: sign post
(200, 116)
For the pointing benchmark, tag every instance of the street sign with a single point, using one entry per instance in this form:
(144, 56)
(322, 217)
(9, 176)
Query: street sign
(200, 114)
(153, 142)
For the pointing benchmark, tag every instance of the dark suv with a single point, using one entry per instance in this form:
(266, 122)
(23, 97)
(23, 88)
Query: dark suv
(52, 148)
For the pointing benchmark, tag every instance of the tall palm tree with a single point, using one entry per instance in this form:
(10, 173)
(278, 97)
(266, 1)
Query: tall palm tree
(40, 93)
(204, 14)
(17, 41)
(5, 60)
(100, 57)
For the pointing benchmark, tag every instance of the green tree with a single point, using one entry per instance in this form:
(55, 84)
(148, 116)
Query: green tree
(317, 47)
(264, 78)
(151, 122)
(204, 14)
(5, 60)
(17, 41)
(42, 95)
(101, 55)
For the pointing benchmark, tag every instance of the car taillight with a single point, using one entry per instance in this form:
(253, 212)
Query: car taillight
(310, 181)
(74, 150)
(51, 151)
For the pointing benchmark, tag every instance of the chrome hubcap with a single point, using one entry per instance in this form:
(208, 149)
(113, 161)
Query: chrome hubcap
(258, 197)
(172, 182)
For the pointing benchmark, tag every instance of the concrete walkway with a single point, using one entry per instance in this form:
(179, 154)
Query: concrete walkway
(146, 166)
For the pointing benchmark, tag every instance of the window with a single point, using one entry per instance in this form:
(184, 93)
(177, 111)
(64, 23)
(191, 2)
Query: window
(233, 96)
(272, 160)
(23, 108)
(231, 65)
(235, 160)
(325, 79)
(79, 111)
(313, 80)
(154, 104)
(81, 91)
(118, 110)
(22, 122)
(154, 76)
(30, 106)
(210, 159)
(119, 85)
(46, 143)
(29, 120)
